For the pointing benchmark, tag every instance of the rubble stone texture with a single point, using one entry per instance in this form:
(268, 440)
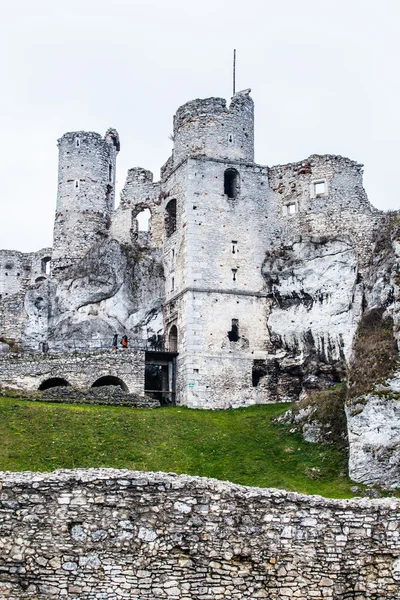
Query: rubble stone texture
(109, 534)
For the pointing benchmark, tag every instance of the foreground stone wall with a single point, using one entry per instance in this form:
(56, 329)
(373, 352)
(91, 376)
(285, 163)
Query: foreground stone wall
(29, 371)
(109, 534)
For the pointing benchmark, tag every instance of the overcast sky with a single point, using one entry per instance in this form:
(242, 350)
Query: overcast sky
(324, 77)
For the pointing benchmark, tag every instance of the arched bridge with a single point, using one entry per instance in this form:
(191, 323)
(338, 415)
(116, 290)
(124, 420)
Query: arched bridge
(91, 369)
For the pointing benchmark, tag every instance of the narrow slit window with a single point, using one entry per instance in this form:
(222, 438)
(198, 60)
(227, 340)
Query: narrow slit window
(172, 284)
(77, 185)
(234, 272)
(110, 172)
(77, 142)
(234, 247)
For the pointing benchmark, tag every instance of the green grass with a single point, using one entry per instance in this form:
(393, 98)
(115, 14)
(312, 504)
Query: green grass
(243, 446)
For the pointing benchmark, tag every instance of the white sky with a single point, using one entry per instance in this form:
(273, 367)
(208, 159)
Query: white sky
(324, 78)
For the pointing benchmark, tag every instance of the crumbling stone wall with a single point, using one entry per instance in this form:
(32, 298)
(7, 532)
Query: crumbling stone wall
(111, 534)
(29, 371)
(139, 193)
(18, 273)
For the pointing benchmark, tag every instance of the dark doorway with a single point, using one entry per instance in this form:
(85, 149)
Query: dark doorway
(110, 380)
(53, 382)
(173, 339)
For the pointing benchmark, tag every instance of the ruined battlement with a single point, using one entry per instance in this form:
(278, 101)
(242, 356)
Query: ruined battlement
(209, 128)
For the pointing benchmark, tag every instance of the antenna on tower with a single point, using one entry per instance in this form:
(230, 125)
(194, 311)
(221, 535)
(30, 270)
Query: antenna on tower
(234, 72)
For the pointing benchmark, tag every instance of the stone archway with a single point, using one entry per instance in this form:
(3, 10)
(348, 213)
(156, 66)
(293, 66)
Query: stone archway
(110, 380)
(53, 382)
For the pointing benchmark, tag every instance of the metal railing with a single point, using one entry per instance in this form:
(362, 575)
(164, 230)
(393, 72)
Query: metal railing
(155, 343)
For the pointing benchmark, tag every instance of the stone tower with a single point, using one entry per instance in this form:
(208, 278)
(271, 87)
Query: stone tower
(86, 193)
(214, 248)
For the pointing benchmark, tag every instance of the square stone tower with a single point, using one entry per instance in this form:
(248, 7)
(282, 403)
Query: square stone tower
(215, 311)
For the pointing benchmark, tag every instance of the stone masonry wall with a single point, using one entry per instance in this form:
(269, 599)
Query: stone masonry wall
(28, 372)
(108, 534)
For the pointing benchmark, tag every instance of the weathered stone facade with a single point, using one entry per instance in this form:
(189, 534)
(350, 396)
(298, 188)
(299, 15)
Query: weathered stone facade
(255, 275)
(108, 534)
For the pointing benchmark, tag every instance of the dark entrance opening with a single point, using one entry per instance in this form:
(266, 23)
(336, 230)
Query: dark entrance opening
(53, 382)
(110, 380)
(160, 376)
(173, 339)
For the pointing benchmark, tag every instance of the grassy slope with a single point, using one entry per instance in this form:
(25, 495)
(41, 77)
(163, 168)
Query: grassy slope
(243, 446)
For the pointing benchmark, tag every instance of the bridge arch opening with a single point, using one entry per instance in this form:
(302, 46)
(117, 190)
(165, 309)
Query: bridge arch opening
(110, 380)
(53, 382)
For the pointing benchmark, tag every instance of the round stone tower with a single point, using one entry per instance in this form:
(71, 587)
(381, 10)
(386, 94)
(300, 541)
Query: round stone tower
(208, 128)
(86, 193)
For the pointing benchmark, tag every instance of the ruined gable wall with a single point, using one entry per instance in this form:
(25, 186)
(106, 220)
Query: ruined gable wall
(343, 209)
(108, 533)
(139, 193)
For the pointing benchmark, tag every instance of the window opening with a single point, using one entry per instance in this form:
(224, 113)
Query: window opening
(109, 172)
(143, 220)
(233, 334)
(230, 138)
(170, 218)
(234, 271)
(45, 265)
(319, 188)
(289, 209)
(234, 247)
(231, 183)
(77, 185)
(77, 142)
(172, 284)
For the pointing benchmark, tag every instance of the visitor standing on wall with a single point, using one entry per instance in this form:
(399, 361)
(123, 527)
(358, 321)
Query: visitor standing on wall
(115, 341)
(124, 342)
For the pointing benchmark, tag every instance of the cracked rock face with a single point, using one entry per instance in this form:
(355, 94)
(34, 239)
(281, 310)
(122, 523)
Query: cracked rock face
(112, 289)
(316, 306)
(317, 300)
(374, 439)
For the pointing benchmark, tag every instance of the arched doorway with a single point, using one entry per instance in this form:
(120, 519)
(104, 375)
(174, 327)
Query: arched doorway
(53, 382)
(173, 339)
(110, 380)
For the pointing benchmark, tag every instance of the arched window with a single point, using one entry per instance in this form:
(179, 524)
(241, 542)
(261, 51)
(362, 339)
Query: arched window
(173, 339)
(143, 220)
(170, 218)
(231, 183)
